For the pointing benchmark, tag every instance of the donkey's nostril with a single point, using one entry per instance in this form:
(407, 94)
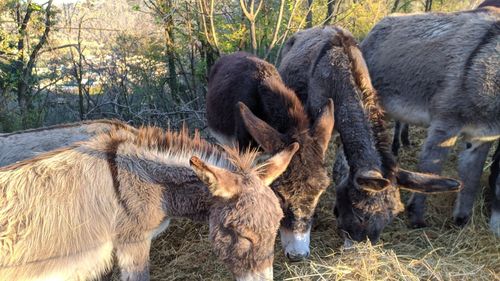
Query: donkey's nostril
(295, 257)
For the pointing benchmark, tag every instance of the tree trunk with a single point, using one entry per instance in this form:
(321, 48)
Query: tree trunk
(395, 7)
(170, 45)
(24, 65)
(329, 12)
(79, 71)
(251, 14)
(428, 5)
(253, 36)
(309, 16)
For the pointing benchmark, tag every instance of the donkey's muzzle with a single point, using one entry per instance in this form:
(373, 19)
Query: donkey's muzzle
(296, 257)
(296, 245)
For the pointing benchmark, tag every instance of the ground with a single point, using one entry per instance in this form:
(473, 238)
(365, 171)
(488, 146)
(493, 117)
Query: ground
(438, 252)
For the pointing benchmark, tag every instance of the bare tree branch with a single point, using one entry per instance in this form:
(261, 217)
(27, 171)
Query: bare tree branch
(276, 29)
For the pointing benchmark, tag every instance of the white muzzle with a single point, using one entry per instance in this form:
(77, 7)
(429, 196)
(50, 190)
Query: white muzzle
(296, 245)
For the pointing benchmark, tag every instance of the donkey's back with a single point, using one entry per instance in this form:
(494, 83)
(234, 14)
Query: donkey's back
(238, 77)
(443, 71)
(421, 61)
(29, 143)
(57, 214)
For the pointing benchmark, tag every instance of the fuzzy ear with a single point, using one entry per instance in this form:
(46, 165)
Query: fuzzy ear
(265, 135)
(220, 182)
(277, 164)
(371, 180)
(323, 126)
(426, 183)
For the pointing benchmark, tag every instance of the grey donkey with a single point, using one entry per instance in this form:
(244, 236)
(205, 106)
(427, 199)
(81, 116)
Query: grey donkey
(441, 71)
(401, 130)
(26, 144)
(325, 62)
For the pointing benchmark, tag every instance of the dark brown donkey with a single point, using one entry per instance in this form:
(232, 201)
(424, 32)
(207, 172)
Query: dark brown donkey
(325, 62)
(248, 103)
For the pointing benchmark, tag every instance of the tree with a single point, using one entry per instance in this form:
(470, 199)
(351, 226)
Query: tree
(251, 14)
(165, 10)
(26, 54)
(428, 5)
(309, 16)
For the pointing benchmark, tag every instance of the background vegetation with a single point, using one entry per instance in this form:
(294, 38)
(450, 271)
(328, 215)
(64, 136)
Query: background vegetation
(146, 61)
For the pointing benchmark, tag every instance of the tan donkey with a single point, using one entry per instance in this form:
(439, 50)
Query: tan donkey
(65, 213)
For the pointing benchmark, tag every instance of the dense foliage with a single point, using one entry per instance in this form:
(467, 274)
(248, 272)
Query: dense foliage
(147, 61)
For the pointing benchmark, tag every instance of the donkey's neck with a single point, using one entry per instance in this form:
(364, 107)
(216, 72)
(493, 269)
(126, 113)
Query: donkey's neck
(183, 194)
(352, 122)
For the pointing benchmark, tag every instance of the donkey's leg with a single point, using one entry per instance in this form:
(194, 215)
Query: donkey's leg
(440, 138)
(495, 192)
(470, 168)
(133, 260)
(340, 170)
(396, 141)
(405, 134)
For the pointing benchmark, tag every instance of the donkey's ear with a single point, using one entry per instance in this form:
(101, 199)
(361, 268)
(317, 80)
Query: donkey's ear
(220, 182)
(371, 180)
(277, 164)
(265, 135)
(323, 126)
(426, 183)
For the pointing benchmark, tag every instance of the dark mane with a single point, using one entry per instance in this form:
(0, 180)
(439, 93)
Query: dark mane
(489, 3)
(370, 102)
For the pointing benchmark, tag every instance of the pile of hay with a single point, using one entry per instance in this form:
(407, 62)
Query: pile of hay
(439, 252)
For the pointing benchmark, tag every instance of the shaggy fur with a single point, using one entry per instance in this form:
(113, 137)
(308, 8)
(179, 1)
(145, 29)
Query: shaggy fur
(449, 81)
(117, 191)
(401, 129)
(248, 102)
(367, 194)
(28, 143)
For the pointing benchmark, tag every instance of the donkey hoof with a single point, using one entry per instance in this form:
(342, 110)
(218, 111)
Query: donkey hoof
(461, 220)
(416, 218)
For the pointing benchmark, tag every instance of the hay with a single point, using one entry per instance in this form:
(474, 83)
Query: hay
(439, 252)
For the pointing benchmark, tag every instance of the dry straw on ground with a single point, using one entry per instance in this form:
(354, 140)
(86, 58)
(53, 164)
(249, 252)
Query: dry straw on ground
(439, 252)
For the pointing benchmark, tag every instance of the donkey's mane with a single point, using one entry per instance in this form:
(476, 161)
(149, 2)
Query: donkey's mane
(288, 97)
(370, 100)
(112, 122)
(182, 146)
